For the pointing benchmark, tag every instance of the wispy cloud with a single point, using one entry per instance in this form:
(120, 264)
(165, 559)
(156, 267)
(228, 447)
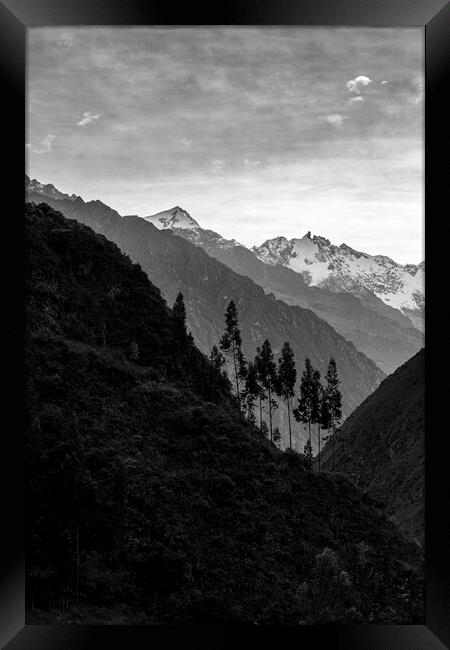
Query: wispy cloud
(249, 164)
(46, 145)
(336, 119)
(87, 118)
(65, 44)
(357, 100)
(217, 166)
(123, 128)
(185, 142)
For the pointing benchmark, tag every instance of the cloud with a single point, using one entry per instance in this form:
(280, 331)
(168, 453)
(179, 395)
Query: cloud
(217, 165)
(249, 164)
(419, 96)
(185, 142)
(384, 82)
(64, 44)
(336, 119)
(123, 128)
(46, 145)
(358, 83)
(357, 100)
(87, 118)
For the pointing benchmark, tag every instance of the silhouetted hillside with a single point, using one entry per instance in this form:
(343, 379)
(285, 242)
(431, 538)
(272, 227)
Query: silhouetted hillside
(382, 445)
(149, 499)
(174, 264)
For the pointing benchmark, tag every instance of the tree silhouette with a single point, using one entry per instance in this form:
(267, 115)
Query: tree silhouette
(308, 402)
(231, 345)
(217, 359)
(334, 400)
(287, 376)
(262, 395)
(252, 390)
(179, 318)
(267, 372)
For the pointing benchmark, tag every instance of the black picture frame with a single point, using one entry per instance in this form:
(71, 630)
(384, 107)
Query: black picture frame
(434, 16)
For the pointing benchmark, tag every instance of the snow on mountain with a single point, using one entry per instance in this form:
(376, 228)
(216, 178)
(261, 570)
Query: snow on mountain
(182, 224)
(49, 190)
(341, 268)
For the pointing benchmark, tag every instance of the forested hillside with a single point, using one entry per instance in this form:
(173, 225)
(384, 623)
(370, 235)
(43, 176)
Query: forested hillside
(207, 285)
(382, 445)
(150, 500)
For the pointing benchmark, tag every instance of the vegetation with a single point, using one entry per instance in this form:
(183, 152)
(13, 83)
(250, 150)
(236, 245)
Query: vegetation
(150, 498)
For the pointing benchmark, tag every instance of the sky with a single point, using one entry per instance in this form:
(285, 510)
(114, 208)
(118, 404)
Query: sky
(256, 131)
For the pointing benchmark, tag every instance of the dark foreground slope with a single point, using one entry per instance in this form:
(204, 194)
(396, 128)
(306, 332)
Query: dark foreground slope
(174, 264)
(149, 500)
(382, 445)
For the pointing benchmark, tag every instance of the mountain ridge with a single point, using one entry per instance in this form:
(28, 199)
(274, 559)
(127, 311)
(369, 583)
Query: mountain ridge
(174, 264)
(383, 333)
(149, 500)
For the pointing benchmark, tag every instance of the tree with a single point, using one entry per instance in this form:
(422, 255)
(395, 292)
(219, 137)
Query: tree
(308, 454)
(276, 435)
(267, 372)
(217, 359)
(308, 402)
(252, 390)
(261, 396)
(324, 415)
(179, 317)
(287, 376)
(231, 345)
(334, 400)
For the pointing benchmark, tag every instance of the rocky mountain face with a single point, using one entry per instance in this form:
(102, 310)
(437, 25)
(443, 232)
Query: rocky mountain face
(382, 445)
(174, 264)
(341, 268)
(149, 499)
(385, 334)
(48, 190)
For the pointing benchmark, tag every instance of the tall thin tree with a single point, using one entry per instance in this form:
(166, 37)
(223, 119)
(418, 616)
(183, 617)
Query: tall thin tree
(252, 390)
(179, 317)
(306, 402)
(287, 376)
(231, 345)
(334, 399)
(324, 417)
(267, 371)
(261, 391)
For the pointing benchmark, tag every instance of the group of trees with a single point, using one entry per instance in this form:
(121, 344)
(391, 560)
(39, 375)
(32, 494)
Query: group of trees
(261, 381)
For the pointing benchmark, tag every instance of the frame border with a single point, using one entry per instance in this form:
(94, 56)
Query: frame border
(434, 15)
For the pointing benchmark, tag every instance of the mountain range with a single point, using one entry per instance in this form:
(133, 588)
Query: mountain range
(384, 333)
(381, 446)
(175, 264)
(150, 500)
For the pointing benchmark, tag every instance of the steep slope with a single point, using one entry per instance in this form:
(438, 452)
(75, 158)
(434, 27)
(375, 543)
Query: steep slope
(175, 264)
(341, 268)
(149, 500)
(383, 333)
(381, 445)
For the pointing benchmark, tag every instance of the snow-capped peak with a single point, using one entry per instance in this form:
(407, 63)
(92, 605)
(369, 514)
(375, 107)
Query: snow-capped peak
(342, 268)
(172, 219)
(182, 224)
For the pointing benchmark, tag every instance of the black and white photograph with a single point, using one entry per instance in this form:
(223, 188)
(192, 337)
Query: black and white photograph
(225, 325)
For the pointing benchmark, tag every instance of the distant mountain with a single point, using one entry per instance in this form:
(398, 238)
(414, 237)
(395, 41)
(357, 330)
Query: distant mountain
(383, 333)
(149, 499)
(175, 264)
(48, 190)
(341, 268)
(381, 445)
